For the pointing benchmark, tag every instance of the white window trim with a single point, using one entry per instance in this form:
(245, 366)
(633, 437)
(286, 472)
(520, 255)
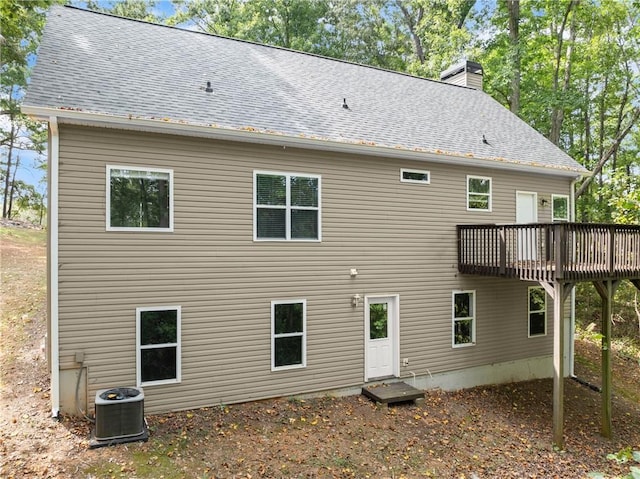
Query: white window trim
(108, 199)
(417, 182)
(553, 218)
(454, 319)
(285, 335)
(287, 207)
(529, 312)
(178, 346)
(490, 194)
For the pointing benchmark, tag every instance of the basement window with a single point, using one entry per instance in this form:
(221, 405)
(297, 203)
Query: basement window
(139, 199)
(158, 341)
(537, 311)
(288, 334)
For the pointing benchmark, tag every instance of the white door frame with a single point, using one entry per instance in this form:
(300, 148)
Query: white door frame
(393, 330)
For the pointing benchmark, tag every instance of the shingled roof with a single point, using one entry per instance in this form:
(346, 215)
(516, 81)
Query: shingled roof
(123, 70)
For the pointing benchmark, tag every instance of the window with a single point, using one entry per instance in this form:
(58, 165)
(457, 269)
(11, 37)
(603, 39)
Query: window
(560, 207)
(139, 199)
(287, 206)
(158, 339)
(415, 176)
(537, 311)
(288, 324)
(464, 324)
(478, 193)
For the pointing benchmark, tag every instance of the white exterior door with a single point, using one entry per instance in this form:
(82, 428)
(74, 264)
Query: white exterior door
(381, 336)
(527, 212)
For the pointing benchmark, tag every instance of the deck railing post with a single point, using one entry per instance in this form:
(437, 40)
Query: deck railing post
(461, 259)
(558, 252)
(503, 251)
(612, 251)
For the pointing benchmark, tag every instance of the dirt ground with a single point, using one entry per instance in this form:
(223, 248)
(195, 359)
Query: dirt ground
(488, 432)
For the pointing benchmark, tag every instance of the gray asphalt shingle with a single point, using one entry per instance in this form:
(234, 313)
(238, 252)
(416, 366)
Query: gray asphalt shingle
(102, 64)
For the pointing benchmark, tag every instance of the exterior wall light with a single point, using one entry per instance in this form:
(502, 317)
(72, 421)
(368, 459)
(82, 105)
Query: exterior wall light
(355, 300)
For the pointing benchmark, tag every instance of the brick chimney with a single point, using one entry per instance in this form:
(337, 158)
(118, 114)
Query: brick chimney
(465, 73)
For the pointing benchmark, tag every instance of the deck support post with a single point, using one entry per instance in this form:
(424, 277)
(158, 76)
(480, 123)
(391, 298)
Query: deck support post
(606, 289)
(558, 365)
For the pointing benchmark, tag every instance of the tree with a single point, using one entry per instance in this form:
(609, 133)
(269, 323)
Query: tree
(21, 24)
(438, 32)
(579, 85)
(136, 9)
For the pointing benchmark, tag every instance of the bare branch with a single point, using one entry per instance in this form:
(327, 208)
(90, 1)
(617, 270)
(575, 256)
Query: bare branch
(612, 149)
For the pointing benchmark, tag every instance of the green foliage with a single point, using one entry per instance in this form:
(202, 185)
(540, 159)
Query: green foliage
(378, 320)
(136, 9)
(622, 457)
(139, 199)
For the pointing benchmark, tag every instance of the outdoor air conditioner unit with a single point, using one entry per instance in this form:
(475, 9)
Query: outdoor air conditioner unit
(119, 416)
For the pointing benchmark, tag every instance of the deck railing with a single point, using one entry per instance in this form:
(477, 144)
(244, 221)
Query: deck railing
(545, 252)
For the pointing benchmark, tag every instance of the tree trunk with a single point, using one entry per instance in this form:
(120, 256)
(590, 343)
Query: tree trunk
(12, 190)
(623, 104)
(557, 114)
(412, 28)
(513, 7)
(5, 197)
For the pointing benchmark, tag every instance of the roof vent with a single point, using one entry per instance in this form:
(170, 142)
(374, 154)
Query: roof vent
(209, 89)
(466, 73)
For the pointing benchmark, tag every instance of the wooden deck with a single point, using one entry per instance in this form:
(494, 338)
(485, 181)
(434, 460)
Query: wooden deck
(570, 252)
(393, 393)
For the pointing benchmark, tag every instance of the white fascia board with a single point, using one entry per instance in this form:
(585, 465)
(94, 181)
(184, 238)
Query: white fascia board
(75, 117)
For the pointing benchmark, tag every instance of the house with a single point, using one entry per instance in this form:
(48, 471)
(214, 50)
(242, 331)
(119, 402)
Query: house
(232, 221)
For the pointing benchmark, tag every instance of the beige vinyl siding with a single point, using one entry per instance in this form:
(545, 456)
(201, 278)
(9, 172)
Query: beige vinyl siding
(400, 237)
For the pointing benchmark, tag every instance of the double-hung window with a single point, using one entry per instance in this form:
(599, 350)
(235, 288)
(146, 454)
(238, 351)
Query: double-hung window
(560, 208)
(286, 206)
(464, 321)
(478, 193)
(537, 311)
(158, 345)
(139, 199)
(288, 336)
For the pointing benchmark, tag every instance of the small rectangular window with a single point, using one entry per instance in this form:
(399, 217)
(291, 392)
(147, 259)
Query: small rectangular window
(537, 311)
(464, 324)
(286, 206)
(415, 176)
(288, 337)
(478, 193)
(560, 208)
(139, 199)
(158, 345)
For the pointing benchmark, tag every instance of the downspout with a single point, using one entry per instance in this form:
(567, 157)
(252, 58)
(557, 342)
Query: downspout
(54, 161)
(572, 314)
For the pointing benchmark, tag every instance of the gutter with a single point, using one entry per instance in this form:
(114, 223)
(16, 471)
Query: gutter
(54, 344)
(252, 135)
